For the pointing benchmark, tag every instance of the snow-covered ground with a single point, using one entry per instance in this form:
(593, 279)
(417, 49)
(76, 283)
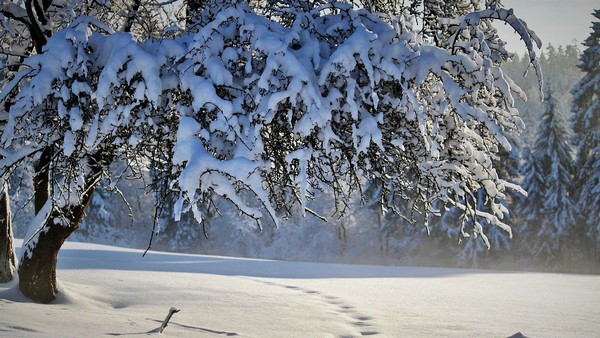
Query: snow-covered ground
(109, 291)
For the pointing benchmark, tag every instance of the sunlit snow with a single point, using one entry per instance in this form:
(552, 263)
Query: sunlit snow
(115, 292)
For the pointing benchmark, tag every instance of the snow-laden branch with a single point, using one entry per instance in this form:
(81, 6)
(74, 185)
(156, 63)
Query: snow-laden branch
(472, 20)
(336, 97)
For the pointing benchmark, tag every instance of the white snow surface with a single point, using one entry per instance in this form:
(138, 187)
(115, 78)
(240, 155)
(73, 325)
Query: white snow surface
(117, 292)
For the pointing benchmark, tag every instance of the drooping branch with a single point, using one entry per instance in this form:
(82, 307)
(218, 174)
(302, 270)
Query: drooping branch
(528, 36)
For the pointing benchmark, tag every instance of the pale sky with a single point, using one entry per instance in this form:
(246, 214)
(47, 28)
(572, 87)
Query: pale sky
(557, 22)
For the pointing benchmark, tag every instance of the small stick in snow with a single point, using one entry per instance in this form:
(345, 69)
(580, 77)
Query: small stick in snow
(172, 311)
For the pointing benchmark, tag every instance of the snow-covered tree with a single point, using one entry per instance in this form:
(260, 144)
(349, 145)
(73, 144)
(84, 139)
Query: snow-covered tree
(7, 253)
(242, 105)
(27, 26)
(530, 206)
(586, 129)
(438, 32)
(549, 209)
(556, 161)
(8, 37)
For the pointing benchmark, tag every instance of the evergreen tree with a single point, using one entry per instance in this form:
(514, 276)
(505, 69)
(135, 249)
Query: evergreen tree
(586, 127)
(549, 209)
(531, 205)
(557, 165)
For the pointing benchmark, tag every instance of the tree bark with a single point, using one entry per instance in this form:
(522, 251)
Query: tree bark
(41, 180)
(37, 270)
(8, 261)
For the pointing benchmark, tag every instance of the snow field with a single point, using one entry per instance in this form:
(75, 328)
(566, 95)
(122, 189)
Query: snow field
(115, 292)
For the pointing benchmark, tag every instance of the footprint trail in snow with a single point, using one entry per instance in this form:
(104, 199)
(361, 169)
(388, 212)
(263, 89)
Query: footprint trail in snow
(361, 323)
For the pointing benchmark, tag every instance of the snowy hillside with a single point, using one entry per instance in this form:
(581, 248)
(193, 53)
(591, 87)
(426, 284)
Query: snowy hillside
(115, 292)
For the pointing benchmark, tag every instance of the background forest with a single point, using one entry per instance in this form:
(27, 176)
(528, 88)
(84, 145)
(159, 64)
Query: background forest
(551, 231)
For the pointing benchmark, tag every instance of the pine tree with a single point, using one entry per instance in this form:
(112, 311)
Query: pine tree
(557, 165)
(586, 127)
(549, 210)
(533, 182)
(529, 207)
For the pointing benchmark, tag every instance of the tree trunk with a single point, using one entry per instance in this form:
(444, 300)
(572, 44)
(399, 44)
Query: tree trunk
(8, 261)
(41, 180)
(37, 271)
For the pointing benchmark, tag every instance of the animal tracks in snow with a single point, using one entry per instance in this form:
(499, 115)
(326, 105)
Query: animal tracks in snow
(360, 323)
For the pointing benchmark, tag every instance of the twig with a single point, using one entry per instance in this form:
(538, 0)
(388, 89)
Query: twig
(172, 311)
(314, 213)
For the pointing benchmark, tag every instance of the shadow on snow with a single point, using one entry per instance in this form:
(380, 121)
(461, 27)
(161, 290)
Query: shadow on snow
(95, 257)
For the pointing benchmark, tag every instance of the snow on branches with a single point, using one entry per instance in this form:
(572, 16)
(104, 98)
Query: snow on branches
(245, 103)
